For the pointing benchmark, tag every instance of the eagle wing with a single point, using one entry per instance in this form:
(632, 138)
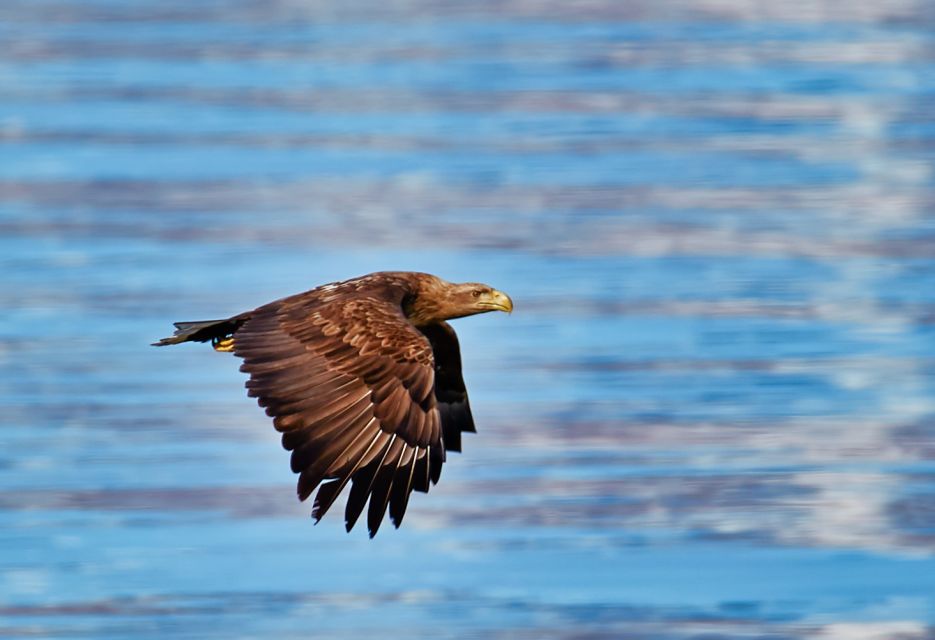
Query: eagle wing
(350, 384)
(450, 392)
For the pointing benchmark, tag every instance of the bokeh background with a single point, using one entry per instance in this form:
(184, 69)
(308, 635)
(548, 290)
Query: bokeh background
(711, 415)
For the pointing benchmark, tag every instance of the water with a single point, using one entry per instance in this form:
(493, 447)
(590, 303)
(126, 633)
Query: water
(711, 415)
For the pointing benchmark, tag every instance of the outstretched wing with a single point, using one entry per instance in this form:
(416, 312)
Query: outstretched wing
(450, 392)
(351, 386)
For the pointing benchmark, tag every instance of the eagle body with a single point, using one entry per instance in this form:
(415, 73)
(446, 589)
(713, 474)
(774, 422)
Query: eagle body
(363, 379)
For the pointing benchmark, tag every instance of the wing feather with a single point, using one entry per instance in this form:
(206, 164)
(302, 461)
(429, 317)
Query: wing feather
(402, 488)
(363, 486)
(450, 392)
(382, 485)
(316, 443)
(329, 491)
(420, 477)
(349, 382)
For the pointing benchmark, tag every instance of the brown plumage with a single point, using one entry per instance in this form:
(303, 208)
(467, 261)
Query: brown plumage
(363, 380)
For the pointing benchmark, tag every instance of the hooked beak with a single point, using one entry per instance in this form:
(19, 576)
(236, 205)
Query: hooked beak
(500, 301)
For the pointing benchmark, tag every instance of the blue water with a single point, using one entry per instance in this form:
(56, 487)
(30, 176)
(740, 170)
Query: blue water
(712, 414)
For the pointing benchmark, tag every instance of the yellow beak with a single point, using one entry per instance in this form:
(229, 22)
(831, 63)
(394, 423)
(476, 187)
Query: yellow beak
(501, 301)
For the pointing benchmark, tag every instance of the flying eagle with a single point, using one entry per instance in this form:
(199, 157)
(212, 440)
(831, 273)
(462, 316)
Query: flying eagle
(363, 380)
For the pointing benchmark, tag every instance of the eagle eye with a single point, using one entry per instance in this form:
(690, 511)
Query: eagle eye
(476, 293)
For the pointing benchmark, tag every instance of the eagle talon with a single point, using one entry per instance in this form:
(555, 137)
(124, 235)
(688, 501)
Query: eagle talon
(225, 344)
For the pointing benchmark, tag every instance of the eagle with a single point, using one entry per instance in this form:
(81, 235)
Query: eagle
(363, 379)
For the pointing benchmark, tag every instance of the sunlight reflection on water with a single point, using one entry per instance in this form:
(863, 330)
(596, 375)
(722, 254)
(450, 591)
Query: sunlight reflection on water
(710, 414)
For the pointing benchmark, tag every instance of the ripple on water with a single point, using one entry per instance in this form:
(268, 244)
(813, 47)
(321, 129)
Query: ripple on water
(710, 415)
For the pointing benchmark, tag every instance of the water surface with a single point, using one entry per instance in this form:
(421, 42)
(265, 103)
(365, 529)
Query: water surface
(712, 414)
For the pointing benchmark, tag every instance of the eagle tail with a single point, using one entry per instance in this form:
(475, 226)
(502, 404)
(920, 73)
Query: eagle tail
(219, 332)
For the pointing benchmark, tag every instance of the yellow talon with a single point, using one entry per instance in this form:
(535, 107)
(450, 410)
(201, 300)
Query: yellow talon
(223, 344)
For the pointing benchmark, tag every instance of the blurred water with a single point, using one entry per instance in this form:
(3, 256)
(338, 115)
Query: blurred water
(710, 417)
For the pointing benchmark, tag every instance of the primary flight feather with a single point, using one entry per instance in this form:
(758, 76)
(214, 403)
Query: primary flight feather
(363, 380)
